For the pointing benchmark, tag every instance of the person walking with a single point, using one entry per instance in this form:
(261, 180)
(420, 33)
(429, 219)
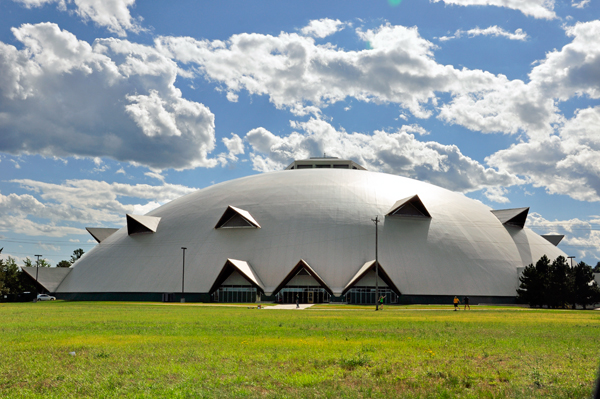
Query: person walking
(297, 301)
(466, 301)
(381, 298)
(456, 303)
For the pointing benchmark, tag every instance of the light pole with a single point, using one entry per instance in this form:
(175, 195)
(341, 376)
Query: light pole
(571, 257)
(183, 275)
(37, 267)
(376, 221)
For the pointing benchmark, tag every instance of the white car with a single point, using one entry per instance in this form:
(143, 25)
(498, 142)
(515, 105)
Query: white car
(45, 297)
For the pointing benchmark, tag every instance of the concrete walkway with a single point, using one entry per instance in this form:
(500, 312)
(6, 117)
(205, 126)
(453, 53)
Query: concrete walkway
(290, 306)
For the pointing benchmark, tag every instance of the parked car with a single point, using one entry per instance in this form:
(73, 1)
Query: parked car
(45, 297)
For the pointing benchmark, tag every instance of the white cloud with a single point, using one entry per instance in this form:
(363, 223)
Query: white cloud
(572, 70)
(135, 115)
(155, 175)
(323, 27)
(235, 146)
(398, 153)
(298, 74)
(497, 194)
(75, 202)
(111, 14)
(533, 8)
(582, 237)
(568, 163)
(580, 4)
(490, 31)
(513, 106)
(48, 247)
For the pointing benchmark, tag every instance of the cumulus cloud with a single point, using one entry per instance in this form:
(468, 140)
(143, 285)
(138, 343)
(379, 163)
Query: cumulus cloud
(397, 152)
(298, 74)
(75, 202)
(533, 8)
(323, 27)
(112, 14)
(61, 96)
(568, 163)
(582, 237)
(513, 106)
(235, 147)
(490, 31)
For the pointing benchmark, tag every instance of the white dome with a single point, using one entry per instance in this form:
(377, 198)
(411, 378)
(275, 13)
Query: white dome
(321, 216)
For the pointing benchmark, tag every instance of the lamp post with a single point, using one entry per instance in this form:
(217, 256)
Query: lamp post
(37, 267)
(571, 257)
(376, 221)
(183, 275)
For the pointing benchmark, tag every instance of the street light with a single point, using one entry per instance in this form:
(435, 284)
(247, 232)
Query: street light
(37, 267)
(376, 221)
(183, 275)
(571, 257)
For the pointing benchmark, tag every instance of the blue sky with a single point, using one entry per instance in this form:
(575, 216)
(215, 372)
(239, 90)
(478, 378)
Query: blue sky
(108, 108)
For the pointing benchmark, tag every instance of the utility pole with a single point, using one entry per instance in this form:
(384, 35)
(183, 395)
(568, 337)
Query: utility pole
(376, 221)
(183, 275)
(571, 257)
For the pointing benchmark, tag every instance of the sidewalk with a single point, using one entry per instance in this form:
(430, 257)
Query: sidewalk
(289, 306)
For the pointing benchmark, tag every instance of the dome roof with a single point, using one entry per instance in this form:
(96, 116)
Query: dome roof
(438, 243)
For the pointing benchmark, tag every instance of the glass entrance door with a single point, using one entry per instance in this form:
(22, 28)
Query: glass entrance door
(310, 297)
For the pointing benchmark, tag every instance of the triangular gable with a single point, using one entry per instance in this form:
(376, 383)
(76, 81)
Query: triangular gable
(236, 218)
(370, 265)
(100, 233)
(513, 217)
(555, 239)
(243, 268)
(409, 206)
(138, 224)
(48, 277)
(299, 266)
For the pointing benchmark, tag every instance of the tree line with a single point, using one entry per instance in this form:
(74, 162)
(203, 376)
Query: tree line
(14, 281)
(557, 285)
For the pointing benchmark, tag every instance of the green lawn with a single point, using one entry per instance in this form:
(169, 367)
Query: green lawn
(194, 351)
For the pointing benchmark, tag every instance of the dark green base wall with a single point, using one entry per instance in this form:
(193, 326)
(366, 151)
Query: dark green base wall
(132, 296)
(206, 297)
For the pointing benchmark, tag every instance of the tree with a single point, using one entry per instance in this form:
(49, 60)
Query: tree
(585, 289)
(560, 284)
(597, 268)
(63, 263)
(11, 277)
(534, 283)
(78, 253)
(27, 262)
(1, 275)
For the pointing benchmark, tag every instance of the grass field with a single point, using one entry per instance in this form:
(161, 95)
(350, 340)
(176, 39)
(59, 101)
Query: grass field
(190, 351)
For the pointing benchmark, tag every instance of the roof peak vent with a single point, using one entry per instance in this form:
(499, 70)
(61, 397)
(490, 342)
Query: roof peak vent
(324, 162)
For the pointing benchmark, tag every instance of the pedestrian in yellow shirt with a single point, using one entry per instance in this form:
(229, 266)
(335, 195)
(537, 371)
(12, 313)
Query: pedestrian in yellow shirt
(456, 302)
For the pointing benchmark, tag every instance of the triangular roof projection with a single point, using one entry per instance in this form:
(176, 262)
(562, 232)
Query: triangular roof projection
(299, 266)
(554, 238)
(137, 224)
(370, 265)
(100, 233)
(236, 218)
(48, 277)
(513, 217)
(243, 268)
(409, 206)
